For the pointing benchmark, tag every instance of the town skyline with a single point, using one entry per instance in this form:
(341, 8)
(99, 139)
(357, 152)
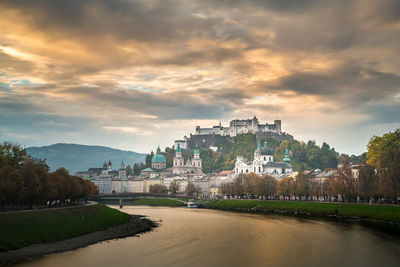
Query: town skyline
(136, 74)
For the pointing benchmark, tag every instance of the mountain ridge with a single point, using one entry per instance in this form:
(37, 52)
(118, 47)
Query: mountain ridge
(79, 157)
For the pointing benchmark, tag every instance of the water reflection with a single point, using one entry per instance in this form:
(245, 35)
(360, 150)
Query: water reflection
(197, 237)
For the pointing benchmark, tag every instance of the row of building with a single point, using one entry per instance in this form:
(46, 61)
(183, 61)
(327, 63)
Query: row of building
(206, 186)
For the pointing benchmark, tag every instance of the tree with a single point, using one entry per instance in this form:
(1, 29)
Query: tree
(129, 170)
(252, 184)
(31, 184)
(367, 181)
(158, 189)
(173, 187)
(384, 154)
(302, 185)
(12, 155)
(267, 186)
(285, 186)
(190, 189)
(343, 182)
(11, 185)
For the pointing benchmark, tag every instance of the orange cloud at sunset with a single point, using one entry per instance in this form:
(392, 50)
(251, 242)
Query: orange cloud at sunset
(132, 74)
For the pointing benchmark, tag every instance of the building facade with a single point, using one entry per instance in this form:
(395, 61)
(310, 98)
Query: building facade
(191, 166)
(263, 163)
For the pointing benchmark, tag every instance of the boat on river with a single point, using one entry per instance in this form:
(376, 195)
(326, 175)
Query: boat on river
(192, 205)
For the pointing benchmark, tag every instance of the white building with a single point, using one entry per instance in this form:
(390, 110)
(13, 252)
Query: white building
(103, 185)
(136, 186)
(263, 163)
(193, 166)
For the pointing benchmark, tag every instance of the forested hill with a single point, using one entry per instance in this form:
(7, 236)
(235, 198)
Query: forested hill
(75, 157)
(304, 156)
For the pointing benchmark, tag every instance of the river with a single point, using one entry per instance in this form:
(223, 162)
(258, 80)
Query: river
(201, 237)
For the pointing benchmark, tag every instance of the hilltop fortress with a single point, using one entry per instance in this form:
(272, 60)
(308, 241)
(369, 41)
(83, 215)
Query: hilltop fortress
(208, 137)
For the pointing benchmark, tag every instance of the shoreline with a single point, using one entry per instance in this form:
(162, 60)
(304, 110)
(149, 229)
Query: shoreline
(380, 225)
(136, 225)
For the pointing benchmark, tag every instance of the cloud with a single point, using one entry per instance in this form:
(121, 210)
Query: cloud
(73, 69)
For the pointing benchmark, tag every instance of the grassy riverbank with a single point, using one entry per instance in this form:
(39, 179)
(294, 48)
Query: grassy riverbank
(21, 229)
(158, 202)
(377, 212)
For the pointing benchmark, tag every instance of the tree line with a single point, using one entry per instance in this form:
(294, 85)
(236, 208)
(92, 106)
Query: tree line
(27, 182)
(378, 179)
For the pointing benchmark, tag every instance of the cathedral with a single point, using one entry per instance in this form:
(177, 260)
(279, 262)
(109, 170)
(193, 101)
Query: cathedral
(191, 166)
(263, 163)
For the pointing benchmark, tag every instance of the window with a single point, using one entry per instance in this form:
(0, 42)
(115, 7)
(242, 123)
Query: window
(265, 158)
(247, 170)
(259, 169)
(237, 170)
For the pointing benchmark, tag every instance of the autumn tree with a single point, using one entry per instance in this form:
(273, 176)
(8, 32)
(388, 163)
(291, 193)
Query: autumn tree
(343, 182)
(285, 186)
(11, 185)
(173, 187)
(384, 154)
(267, 186)
(158, 189)
(190, 189)
(368, 182)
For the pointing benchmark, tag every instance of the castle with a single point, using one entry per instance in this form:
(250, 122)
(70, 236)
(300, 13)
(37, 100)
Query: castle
(237, 127)
(208, 137)
(263, 163)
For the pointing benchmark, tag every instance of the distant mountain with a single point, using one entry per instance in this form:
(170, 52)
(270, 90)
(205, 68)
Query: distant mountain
(76, 158)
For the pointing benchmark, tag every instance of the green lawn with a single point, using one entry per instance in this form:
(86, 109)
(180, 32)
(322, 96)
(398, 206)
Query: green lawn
(379, 212)
(158, 202)
(26, 228)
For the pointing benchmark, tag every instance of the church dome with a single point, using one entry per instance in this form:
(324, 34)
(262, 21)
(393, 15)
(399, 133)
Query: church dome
(158, 158)
(266, 150)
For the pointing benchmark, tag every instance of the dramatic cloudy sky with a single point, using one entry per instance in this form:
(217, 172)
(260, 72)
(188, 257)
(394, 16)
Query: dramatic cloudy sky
(134, 74)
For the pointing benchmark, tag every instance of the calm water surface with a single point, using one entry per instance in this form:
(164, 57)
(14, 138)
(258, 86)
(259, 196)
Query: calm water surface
(197, 237)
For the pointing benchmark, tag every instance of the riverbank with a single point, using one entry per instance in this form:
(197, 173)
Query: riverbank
(159, 202)
(33, 234)
(356, 212)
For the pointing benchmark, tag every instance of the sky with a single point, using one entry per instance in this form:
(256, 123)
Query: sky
(137, 74)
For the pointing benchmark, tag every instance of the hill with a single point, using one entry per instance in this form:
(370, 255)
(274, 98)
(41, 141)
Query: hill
(76, 158)
(304, 156)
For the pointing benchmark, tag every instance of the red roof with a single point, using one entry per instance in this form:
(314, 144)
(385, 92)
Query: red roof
(225, 172)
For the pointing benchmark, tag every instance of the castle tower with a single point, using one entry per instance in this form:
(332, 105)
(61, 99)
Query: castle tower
(178, 159)
(278, 126)
(196, 158)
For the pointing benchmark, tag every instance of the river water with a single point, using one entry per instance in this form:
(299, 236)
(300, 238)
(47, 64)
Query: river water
(200, 237)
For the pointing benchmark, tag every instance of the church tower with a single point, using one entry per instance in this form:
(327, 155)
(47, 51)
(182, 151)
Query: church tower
(287, 158)
(257, 153)
(178, 159)
(109, 165)
(122, 171)
(196, 158)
